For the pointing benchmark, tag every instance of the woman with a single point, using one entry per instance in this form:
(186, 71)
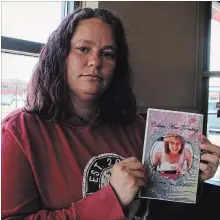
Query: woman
(170, 162)
(78, 126)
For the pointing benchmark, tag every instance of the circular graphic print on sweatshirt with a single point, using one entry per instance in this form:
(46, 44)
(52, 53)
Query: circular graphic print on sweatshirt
(97, 174)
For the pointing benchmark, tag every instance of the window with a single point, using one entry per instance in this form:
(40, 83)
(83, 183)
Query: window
(16, 72)
(25, 28)
(32, 21)
(214, 38)
(212, 80)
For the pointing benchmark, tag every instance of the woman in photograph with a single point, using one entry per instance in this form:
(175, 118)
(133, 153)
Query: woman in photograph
(171, 160)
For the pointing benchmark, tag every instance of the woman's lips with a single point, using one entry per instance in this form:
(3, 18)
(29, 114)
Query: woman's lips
(93, 77)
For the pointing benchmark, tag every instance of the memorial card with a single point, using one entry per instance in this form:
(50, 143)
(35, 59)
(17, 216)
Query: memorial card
(171, 155)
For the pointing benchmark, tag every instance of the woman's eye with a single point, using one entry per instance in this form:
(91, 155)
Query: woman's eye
(109, 55)
(83, 49)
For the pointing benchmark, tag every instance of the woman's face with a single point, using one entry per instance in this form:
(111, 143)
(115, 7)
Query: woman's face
(174, 145)
(92, 59)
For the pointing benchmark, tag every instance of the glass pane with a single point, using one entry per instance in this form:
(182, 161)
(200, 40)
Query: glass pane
(33, 21)
(215, 38)
(16, 73)
(213, 127)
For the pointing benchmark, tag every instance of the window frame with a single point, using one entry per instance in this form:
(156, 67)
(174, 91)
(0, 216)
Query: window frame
(31, 48)
(28, 48)
(207, 74)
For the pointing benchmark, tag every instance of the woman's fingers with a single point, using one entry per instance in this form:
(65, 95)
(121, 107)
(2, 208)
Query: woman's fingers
(210, 158)
(207, 171)
(132, 163)
(138, 174)
(129, 159)
(210, 148)
(206, 145)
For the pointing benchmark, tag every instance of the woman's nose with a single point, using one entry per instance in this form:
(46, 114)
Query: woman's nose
(95, 60)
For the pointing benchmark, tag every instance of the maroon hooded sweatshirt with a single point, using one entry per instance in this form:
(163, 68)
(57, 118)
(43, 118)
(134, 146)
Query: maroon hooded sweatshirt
(54, 171)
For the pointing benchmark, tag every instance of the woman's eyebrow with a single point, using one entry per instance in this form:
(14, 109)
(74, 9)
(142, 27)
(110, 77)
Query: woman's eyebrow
(112, 47)
(109, 47)
(86, 41)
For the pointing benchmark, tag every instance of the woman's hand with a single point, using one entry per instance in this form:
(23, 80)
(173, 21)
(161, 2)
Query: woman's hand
(209, 159)
(128, 176)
